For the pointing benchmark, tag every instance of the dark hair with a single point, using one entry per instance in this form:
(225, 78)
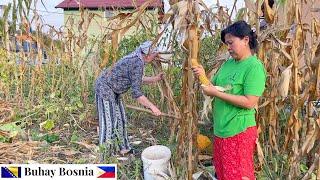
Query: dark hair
(241, 29)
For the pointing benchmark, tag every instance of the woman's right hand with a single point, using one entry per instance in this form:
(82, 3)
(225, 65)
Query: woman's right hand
(146, 103)
(198, 70)
(155, 111)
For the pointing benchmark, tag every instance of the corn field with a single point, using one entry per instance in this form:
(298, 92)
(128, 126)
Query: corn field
(52, 99)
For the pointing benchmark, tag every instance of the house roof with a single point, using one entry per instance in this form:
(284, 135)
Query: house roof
(108, 3)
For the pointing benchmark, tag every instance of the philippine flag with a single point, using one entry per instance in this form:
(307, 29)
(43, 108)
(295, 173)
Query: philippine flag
(10, 172)
(108, 171)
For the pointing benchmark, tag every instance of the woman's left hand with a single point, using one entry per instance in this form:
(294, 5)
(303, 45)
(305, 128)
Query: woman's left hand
(209, 90)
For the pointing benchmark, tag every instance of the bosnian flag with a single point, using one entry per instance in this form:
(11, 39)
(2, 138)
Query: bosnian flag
(107, 171)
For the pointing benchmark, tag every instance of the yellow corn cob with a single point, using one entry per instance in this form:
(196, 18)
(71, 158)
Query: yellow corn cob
(202, 78)
(203, 142)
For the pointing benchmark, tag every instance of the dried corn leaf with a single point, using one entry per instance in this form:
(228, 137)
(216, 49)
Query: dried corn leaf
(122, 15)
(316, 60)
(260, 153)
(283, 87)
(115, 43)
(241, 14)
(172, 2)
(262, 52)
(299, 35)
(286, 54)
(180, 23)
(88, 21)
(268, 12)
(82, 16)
(297, 126)
(105, 58)
(311, 136)
(222, 15)
(250, 5)
(204, 157)
(289, 134)
(180, 8)
(316, 28)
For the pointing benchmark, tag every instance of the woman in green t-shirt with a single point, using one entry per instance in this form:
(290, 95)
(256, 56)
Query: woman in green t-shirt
(235, 131)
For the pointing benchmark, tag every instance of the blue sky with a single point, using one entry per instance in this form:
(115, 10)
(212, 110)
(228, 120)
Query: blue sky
(54, 16)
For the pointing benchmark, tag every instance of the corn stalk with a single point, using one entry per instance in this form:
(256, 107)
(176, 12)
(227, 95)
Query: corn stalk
(291, 87)
(186, 22)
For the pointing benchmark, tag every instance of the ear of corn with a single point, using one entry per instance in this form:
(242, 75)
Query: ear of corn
(203, 142)
(202, 78)
(283, 87)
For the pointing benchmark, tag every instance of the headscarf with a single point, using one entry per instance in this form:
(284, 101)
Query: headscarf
(146, 48)
(142, 49)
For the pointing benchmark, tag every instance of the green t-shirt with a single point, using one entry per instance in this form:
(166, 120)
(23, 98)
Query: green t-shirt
(246, 77)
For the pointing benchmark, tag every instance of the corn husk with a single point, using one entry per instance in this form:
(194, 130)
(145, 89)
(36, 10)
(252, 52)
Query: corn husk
(283, 87)
(268, 12)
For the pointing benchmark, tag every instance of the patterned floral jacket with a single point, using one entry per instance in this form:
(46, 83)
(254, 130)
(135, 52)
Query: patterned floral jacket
(125, 74)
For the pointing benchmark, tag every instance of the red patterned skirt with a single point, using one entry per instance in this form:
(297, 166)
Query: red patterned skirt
(233, 156)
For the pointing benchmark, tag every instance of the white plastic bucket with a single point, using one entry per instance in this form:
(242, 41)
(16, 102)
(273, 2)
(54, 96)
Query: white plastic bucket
(156, 162)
